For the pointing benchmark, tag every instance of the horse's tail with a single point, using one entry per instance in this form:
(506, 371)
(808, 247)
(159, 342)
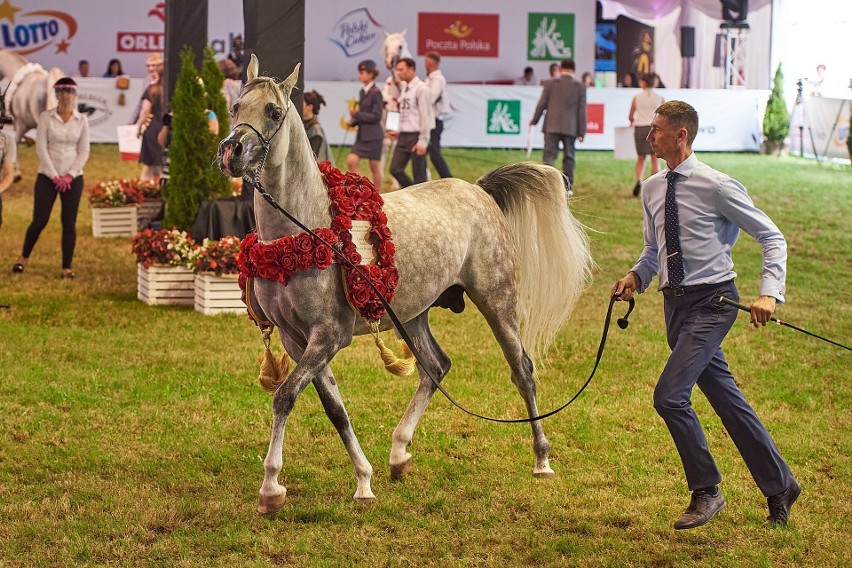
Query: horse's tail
(553, 262)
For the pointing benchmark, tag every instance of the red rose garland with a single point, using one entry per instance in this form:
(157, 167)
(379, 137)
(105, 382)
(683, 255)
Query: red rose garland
(353, 197)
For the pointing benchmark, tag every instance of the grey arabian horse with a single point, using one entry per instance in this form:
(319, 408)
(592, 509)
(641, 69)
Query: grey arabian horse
(394, 48)
(509, 242)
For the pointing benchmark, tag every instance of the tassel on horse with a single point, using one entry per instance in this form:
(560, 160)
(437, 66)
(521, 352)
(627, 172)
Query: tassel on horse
(396, 366)
(272, 373)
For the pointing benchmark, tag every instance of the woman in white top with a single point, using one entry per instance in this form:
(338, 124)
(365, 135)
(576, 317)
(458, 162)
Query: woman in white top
(641, 112)
(62, 147)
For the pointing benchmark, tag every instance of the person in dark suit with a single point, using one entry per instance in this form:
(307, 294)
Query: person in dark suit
(368, 118)
(563, 102)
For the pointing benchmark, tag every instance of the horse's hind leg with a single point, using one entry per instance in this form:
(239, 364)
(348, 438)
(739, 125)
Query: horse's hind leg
(500, 313)
(332, 402)
(439, 364)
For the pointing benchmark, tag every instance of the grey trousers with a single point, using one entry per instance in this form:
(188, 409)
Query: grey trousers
(696, 324)
(402, 154)
(551, 149)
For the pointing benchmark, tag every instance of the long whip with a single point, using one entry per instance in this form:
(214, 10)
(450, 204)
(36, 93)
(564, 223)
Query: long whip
(744, 308)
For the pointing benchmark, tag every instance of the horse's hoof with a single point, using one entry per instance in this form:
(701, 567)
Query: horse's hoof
(365, 499)
(399, 470)
(271, 504)
(544, 473)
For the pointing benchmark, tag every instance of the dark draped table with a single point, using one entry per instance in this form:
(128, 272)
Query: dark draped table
(228, 217)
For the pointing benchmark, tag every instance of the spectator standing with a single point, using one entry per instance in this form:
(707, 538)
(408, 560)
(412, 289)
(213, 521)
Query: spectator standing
(8, 157)
(441, 109)
(231, 85)
(150, 120)
(113, 69)
(62, 147)
(528, 78)
(236, 53)
(563, 103)
(642, 110)
(415, 124)
(368, 118)
(83, 68)
(311, 103)
(692, 217)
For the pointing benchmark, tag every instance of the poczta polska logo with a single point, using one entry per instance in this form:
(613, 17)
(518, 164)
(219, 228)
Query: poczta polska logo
(28, 32)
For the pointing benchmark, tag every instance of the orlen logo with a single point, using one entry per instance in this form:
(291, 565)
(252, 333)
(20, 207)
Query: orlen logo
(28, 32)
(356, 32)
(140, 42)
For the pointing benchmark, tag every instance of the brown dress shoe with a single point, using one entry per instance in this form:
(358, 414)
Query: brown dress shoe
(702, 507)
(779, 505)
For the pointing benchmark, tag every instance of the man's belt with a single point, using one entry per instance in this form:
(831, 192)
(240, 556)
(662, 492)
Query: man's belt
(684, 290)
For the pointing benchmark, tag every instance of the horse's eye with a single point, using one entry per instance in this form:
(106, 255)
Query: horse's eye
(276, 114)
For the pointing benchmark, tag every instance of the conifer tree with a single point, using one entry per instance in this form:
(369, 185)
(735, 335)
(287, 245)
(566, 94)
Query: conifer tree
(776, 120)
(192, 151)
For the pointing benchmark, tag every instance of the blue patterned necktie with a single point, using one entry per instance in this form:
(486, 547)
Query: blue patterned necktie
(674, 259)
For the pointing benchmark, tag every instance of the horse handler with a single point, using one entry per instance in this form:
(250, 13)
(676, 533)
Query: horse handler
(692, 217)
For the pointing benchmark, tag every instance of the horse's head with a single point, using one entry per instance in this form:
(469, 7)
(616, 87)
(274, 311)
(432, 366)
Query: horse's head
(258, 115)
(394, 48)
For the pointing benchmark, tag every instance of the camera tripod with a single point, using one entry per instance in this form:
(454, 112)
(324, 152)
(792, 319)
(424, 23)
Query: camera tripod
(800, 104)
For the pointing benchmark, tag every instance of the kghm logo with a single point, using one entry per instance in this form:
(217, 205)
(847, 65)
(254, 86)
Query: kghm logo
(504, 117)
(550, 36)
(27, 32)
(356, 32)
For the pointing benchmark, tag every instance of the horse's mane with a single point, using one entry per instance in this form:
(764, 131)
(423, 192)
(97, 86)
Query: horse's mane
(268, 83)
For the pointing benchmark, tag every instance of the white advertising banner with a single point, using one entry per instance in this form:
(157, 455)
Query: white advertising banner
(497, 116)
(107, 106)
(824, 124)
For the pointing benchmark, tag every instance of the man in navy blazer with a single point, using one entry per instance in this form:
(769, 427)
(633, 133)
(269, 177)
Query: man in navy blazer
(563, 102)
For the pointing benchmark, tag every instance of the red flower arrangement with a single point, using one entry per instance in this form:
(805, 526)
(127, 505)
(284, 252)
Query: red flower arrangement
(119, 192)
(218, 257)
(169, 247)
(353, 197)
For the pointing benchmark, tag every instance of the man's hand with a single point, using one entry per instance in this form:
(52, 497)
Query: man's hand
(624, 288)
(392, 134)
(761, 310)
(580, 138)
(419, 149)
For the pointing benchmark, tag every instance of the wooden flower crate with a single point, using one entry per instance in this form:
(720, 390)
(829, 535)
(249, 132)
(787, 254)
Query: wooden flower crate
(114, 221)
(218, 294)
(159, 285)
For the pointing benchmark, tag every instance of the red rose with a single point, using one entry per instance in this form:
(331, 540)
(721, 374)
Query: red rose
(345, 206)
(287, 244)
(305, 260)
(383, 232)
(360, 295)
(387, 248)
(341, 223)
(289, 263)
(336, 192)
(331, 174)
(380, 218)
(323, 257)
(391, 277)
(304, 243)
(352, 254)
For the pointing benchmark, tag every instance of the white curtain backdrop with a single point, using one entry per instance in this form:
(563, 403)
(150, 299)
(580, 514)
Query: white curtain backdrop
(668, 16)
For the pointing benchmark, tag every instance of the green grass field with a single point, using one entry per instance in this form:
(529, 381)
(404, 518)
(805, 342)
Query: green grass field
(134, 435)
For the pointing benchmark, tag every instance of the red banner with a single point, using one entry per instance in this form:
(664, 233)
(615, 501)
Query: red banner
(459, 35)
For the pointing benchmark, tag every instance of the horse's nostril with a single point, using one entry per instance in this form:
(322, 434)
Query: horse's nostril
(238, 149)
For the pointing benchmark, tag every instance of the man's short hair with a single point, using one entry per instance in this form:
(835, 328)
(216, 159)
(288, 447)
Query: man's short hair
(408, 62)
(680, 115)
(434, 56)
(568, 64)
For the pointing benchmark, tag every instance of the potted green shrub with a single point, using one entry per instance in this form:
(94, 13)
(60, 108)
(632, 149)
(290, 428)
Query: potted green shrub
(776, 120)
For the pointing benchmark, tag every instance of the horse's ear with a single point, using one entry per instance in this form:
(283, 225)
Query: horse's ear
(251, 71)
(386, 33)
(402, 33)
(290, 82)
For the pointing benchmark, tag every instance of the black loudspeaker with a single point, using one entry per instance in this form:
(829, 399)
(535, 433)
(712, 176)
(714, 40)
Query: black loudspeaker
(734, 10)
(687, 41)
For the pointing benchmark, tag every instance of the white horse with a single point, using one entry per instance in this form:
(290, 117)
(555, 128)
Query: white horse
(509, 242)
(394, 48)
(30, 90)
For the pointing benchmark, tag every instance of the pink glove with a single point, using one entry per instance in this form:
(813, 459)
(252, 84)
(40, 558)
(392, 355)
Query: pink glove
(59, 183)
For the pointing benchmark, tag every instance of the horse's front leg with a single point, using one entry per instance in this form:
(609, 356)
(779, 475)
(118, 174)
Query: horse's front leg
(316, 356)
(332, 402)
